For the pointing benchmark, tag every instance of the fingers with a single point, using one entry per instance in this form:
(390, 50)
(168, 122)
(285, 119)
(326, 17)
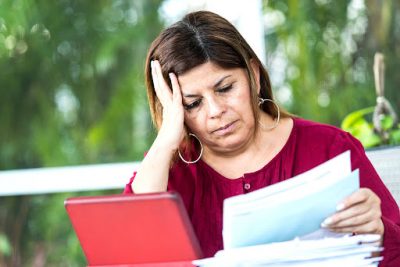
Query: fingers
(176, 90)
(161, 87)
(172, 129)
(359, 196)
(359, 213)
(349, 210)
(155, 78)
(370, 227)
(355, 219)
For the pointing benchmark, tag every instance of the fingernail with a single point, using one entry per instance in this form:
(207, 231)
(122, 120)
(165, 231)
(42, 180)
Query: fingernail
(327, 221)
(340, 207)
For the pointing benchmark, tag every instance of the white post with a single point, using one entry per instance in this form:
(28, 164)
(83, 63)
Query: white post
(245, 15)
(248, 19)
(66, 179)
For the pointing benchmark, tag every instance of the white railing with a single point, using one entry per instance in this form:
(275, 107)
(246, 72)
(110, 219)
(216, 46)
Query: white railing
(387, 163)
(66, 179)
(116, 175)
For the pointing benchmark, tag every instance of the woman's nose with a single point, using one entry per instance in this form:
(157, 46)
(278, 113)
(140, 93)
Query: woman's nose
(215, 107)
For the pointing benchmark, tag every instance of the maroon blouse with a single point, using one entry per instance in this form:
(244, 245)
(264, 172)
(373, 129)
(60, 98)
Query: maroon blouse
(203, 189)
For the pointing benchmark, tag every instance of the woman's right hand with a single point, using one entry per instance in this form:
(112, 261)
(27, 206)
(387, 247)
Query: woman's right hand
(152, 175)
(172, 128)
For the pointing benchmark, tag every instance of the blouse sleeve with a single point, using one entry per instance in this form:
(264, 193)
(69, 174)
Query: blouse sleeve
(180, 181)
(128, 187)
(369, 178)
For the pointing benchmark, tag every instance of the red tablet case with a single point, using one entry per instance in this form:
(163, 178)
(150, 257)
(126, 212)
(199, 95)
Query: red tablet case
(134, 230)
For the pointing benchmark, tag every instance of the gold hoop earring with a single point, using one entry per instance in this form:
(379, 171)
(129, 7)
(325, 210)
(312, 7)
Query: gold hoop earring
(201, 151)
(278, 117)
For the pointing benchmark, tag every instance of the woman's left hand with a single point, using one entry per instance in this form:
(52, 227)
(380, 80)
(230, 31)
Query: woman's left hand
(359, 213)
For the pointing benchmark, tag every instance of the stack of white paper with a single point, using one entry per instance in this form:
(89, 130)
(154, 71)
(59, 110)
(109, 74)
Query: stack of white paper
(280, 225)
(355, 251)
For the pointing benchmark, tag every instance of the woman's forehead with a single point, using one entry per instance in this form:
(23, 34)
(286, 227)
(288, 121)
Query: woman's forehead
(206, 75)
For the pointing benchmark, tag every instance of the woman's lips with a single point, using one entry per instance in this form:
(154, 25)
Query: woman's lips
(226, 129)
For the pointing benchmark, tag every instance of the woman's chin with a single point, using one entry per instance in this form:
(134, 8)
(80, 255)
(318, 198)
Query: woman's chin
(229, 145)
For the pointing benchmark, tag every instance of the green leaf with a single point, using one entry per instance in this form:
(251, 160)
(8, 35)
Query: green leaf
(5, 247)
(395, 137)
(387, 122)
(370, 140)
(355, 117)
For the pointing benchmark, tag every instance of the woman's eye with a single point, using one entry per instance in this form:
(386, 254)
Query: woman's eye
(224, 89)
(192, 105)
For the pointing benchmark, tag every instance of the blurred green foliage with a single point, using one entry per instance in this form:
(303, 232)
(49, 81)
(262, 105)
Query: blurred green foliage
(5, 247)
(72, 91)
(322, 53)
(359, 124)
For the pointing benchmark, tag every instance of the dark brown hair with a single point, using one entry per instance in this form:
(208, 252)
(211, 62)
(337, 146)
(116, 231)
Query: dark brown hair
(202, 37)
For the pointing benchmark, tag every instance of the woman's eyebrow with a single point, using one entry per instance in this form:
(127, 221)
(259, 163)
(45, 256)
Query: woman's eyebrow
(190, 95)
(217, 84)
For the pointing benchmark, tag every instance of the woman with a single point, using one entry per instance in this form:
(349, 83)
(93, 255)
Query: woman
(220, 134)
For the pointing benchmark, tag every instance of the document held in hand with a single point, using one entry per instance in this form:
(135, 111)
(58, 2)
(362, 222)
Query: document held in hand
(289, 209)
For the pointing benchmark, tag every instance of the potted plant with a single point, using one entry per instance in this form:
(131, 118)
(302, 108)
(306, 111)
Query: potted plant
(375, 126)
(378, 127)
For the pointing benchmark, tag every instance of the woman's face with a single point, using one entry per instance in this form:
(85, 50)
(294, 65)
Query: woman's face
(217, 106)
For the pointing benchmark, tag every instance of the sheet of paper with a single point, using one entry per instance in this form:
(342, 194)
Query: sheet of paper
(305, 248)
(344, 251)
(335, 167)
(288, 216)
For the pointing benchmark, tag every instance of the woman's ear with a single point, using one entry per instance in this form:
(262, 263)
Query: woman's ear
(256, 70)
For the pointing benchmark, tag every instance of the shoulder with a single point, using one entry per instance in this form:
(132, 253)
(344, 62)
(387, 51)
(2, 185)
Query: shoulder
(308, 126)
(316, 142)
(325, 139)
(321, 133)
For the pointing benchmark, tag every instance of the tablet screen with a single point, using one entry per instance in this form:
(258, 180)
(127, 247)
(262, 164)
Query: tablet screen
(130, 229)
